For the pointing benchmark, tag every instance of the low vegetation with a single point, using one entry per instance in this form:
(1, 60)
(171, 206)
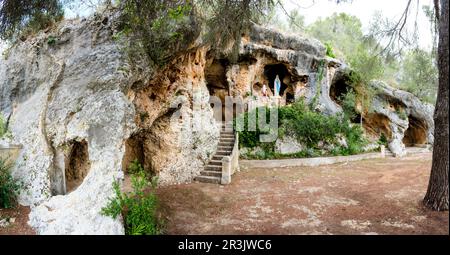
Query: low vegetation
(137, 208)
(3, 126)
(9, 187)
(319, 133)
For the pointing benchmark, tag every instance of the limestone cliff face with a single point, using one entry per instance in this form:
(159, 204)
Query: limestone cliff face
(82, 116)
(76, 109)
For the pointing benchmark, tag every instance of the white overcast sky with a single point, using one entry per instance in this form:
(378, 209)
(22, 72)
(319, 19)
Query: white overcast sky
(363, 9)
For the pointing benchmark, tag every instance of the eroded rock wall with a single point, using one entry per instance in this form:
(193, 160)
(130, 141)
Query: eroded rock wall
(77, 93)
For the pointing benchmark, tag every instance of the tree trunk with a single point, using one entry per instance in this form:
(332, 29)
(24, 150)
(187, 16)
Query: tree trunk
(437, 193)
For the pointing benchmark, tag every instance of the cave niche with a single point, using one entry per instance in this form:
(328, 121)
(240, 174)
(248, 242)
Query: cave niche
(134, 150)
(339, 87)
(416, 134)
(271, 72)
(77, 165)
(216, 82)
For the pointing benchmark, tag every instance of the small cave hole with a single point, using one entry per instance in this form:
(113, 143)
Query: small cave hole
(215, 75)
(339, 88)
(134, 150)
(416, 134)
(78, 165)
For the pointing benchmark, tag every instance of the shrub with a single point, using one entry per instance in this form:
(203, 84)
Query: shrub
(158, 30)
(383, 140)
(348, 103)
(3, 127)
(138, 208)
(9, 187)
(135, 167)
(309, 128)
(330, 52)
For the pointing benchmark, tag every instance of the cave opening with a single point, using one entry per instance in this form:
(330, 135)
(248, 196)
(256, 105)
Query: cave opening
(77, 166)
(134, 151)
(339, 88)
(290, 98)
(271, 72)
(416, 134)
(216, 82)
(376, 124)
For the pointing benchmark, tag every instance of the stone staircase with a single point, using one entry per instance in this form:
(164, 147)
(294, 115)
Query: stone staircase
(213, 171)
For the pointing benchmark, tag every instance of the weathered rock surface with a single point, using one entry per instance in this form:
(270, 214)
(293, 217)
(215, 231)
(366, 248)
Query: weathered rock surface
(77, 93)
(407, 115)
(288, 145)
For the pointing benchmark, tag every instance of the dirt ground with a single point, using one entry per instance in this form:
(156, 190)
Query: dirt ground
(379, 196)
(20, 226)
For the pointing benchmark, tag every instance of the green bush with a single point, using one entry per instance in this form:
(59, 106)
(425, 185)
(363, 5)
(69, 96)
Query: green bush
(135, 167)
(9, 187)
(348, 103)
(330, 52)
(383, 140)
(309, 128)
(138, 208)
(3, 127)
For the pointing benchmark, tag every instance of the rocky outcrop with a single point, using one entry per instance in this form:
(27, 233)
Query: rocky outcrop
(74, 105)
(402, 117)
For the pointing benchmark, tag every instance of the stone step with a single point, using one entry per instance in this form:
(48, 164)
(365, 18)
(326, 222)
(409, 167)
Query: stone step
(225, 148)
(215, 162)
(213, 168)
(218, 157)
(224, 153)
(211, 173)
(208, 179)
(226, 143)
(227, 139)
(227, 135)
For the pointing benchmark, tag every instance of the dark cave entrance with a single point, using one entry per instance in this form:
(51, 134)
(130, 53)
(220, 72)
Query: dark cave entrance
(416, 134)
(134, 150)
(271, 72)
(216, 82)
(339, 88)
(290, 98)
(77, 165)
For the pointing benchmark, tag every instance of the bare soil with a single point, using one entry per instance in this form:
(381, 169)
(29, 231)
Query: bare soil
(378, 196)
(20, 226)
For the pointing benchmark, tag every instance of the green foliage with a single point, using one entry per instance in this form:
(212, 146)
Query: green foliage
(51, 40)
(135, 167)
(348, 104)
(9, 187)
(247, 138)
(343, 30)
(159, 30)
(3, 126)
(401, 113)
(330, 52)
(137, 208)
(419, 75)
(226, 21)
(296, 21)
(309, 128)
(383, 140)
(27, 16)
